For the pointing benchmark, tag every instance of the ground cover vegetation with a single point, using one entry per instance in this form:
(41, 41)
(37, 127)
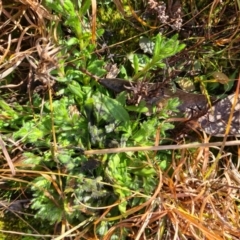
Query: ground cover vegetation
(82, 82)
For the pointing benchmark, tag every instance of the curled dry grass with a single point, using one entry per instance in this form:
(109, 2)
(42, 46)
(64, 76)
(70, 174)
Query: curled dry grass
(186, 204)
(26, 47)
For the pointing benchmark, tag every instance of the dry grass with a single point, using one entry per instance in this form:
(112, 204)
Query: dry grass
(187, 204)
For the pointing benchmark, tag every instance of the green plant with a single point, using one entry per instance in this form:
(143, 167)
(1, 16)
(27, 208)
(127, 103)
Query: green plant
(160, 48)
(67, 111)
(87, 117)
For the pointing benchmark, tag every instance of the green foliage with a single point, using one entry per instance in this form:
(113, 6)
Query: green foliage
(130, 174)
(163, 48)
(65, 181)
(100, 121)
(73, 18)
(47, 131)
